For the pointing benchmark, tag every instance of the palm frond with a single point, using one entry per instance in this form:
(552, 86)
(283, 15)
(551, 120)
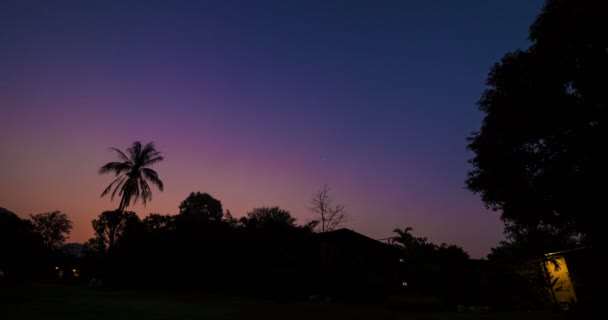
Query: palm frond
(116, 167)
(119, 187)
(127, 193)
(106, 190)
(146, 193)
(152, 176)
(153, 160)
(121, 154)
(148, 149)
(135, 151)
(134, 190)
(149, 155)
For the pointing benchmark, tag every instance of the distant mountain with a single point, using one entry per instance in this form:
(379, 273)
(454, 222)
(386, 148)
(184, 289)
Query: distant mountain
(73, 249)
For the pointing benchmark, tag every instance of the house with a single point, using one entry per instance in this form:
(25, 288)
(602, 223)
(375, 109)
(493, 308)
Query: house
(352, 264)
(569, 274)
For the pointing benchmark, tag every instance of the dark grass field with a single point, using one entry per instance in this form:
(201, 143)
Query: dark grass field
(46, 301)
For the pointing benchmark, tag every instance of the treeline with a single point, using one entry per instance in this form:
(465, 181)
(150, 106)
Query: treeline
(204, 248)
(30, 247)
(265, 253)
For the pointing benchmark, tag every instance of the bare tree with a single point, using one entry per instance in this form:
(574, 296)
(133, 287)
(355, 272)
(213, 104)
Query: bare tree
(331, 216)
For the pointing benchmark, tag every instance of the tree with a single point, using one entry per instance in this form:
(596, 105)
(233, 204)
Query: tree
(538, 155)
(268, 217)
(230, 220)
(53, 227)
(21, 248)
(110, 227)
(202, 205)
(133, 174)
(155, 222)
(331, 216)
(451, 254)
(404, 237)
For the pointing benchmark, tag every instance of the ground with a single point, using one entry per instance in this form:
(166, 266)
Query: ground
(44, 301)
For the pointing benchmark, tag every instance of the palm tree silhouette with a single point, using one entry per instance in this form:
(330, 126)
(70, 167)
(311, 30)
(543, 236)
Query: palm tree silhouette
(133, 174)
(404, 237)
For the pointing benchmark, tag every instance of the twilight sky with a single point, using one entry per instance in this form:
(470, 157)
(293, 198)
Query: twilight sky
(257, 103)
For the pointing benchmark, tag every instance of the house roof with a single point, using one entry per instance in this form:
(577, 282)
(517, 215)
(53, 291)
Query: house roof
(347, 237)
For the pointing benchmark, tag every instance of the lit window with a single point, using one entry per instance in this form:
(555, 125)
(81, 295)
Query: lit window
(404, 283)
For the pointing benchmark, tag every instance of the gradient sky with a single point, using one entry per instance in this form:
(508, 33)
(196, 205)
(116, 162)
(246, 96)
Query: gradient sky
(257, 103)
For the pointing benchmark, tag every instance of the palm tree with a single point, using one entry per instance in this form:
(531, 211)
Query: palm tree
(404, 237)
(133, 174)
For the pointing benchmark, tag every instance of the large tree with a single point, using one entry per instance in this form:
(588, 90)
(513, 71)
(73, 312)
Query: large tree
(133, 174)
(111, 227)
(202, 205)
(20, 247)
(540, 153)
(53, 228)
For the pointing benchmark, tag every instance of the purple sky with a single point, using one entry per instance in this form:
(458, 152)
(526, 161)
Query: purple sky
(257, 103)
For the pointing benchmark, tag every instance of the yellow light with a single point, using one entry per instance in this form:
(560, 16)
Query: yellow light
(74, 270)
(56, 268)
(404, 284)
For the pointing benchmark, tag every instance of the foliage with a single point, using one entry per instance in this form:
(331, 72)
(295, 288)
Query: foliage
(404, 237)
(53, 227)
(202, 205)
(133, 174)
(110, 227)
(21, 249)
(538, 156)
(269, 217)
(521, 280)
(155, 222)
(230, 220)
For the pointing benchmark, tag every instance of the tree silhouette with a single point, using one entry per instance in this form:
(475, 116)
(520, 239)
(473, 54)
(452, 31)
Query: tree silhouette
(20, 247)
(404, 237)
(538, 156)
(110, 227)
(53, 228)
(155, 222)
(268, 217)
(331, 216)
(201, 205)
(133, 174)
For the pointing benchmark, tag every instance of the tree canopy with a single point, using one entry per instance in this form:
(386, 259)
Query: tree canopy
(538, 155)
(269, 217)
(202, 205)
(110, 227)
(53, 227)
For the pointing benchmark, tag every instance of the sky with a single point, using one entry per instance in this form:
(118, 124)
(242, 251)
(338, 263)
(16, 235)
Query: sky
(258, 103)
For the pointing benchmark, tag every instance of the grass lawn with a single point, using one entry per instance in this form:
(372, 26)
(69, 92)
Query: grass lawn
(44, 301)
